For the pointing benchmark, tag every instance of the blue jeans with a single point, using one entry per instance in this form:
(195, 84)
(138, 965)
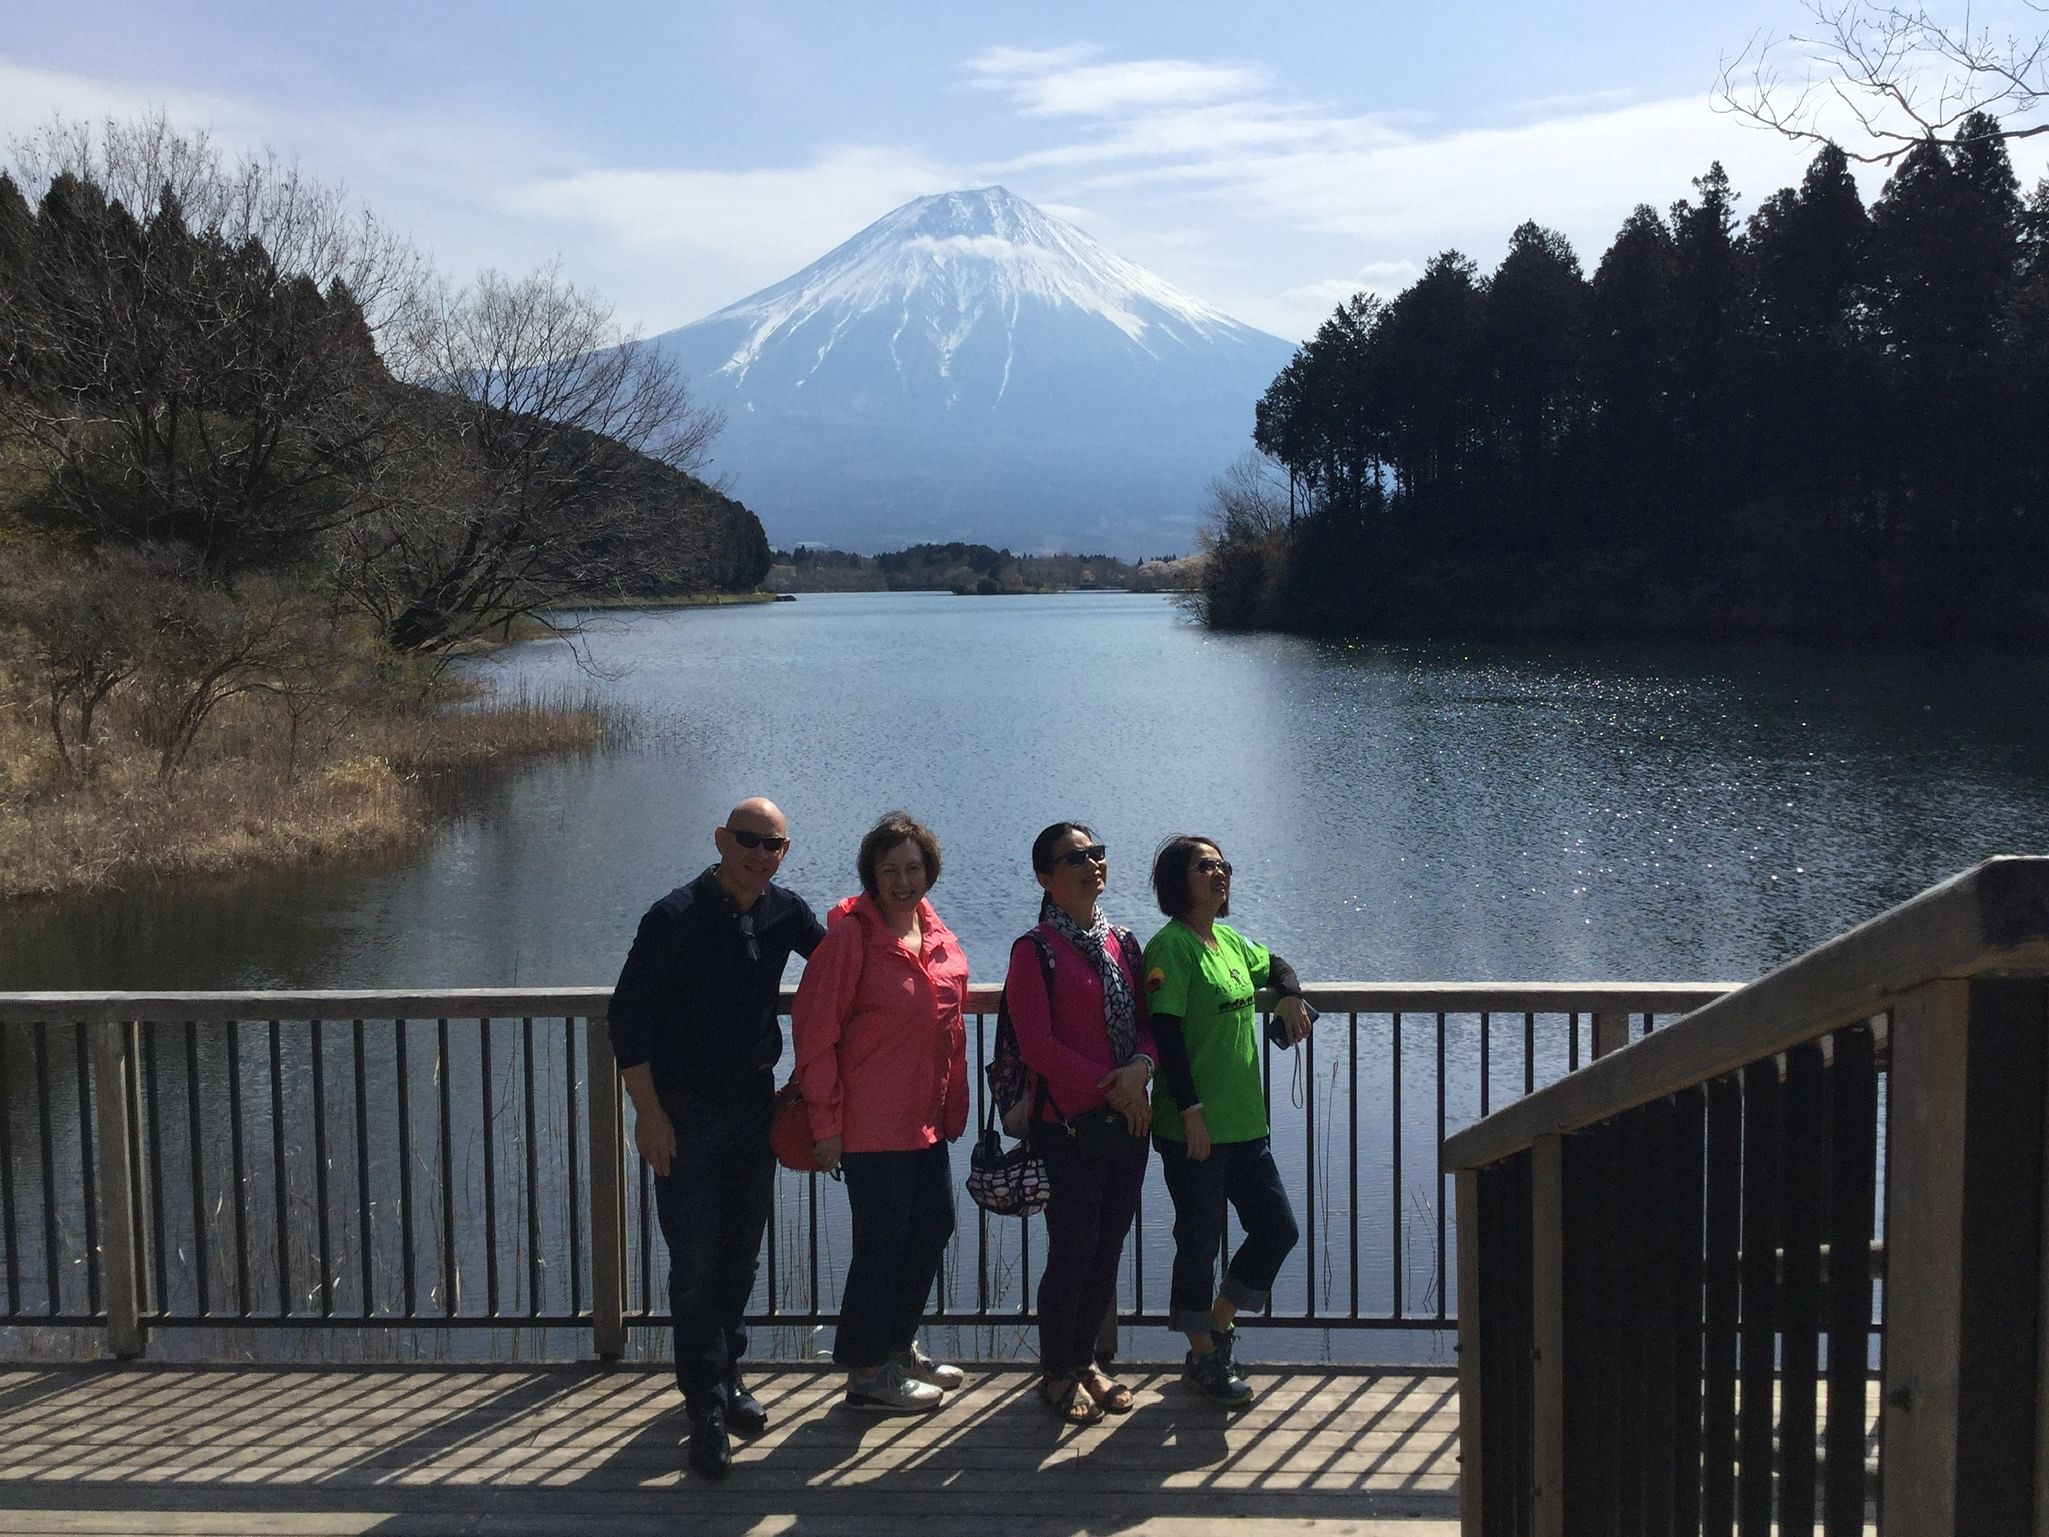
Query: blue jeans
(1242, 1173)
(714, 1206)
(902, 1204)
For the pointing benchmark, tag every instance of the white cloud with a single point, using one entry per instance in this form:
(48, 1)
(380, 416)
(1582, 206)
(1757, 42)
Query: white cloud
(768, 221)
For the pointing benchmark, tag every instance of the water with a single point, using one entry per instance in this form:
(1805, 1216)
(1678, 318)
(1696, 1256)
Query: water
(1474, 812)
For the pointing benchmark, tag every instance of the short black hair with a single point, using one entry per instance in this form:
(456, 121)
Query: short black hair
(896, 827)
(1042, 846)
(1170, 874)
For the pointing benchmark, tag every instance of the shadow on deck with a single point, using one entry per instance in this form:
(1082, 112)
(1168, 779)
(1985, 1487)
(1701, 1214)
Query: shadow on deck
(440, 1450)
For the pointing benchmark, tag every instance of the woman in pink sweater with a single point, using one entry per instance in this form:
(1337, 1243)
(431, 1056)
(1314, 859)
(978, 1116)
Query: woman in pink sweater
(1087, 1038)
(882, 1061)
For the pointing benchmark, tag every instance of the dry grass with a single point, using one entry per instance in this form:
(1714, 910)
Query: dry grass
(351, 786)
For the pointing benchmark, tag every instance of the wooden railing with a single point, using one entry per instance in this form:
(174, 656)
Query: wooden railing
(1667, 1259)
(460, 1160)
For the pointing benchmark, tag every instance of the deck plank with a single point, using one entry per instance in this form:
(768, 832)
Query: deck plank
(96, 1451)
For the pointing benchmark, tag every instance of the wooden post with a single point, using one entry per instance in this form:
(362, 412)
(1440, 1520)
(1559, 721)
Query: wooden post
(1611, 1033)
(122, 1264)
(1466, 1192)
(608, 1193)
(1547, 1310)
(1965, 1208)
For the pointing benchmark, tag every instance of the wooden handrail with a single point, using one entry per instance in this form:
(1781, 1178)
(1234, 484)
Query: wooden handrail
(1992, 919)
(583, 1002)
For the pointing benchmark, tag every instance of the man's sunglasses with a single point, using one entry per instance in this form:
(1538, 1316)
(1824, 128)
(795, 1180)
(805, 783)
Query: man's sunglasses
(1074, 859)
(1208, 866)
(748, 840)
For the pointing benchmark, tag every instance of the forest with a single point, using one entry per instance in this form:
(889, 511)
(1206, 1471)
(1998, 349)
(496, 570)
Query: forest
(1823, 419)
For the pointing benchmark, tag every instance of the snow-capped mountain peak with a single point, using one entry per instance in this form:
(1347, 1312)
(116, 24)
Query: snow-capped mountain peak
(959, 262)
(969, 366)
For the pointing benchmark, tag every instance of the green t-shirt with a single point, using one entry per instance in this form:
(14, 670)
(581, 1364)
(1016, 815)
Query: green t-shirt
(1212, 992)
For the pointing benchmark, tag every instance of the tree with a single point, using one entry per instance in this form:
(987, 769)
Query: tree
(531, 484)
(1898, 75)
(1532, 334)
(194, 345)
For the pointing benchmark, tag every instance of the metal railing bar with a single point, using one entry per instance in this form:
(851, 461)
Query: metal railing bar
(87, 1164)
(1352, 1147)
(8, 1216)
(1438, 1176)
(575, 1156)
(324, 1233)
(1394, 1057)
(238, 1168)
(533, 1170)
(442, 1067)
(279, 1185)
(195, 1155)
(1309, 1171)
(490, 1109)
(1529, 1052)
(410, 1291)
(47, 1142)
(363, 1209)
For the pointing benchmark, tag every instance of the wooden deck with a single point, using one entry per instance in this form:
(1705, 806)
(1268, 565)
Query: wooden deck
(531, 1450)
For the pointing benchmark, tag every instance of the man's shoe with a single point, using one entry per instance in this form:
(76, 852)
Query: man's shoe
(920, 1367)
(1212, 1377)
(889, 1390)
(711, 1451)
(744, 1412)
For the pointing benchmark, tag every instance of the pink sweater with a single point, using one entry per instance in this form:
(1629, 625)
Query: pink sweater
(882, 1048)
(1064, 1038)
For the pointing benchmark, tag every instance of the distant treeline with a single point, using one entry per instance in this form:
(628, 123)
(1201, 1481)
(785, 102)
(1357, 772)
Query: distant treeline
(964, 568)
(1826, 420)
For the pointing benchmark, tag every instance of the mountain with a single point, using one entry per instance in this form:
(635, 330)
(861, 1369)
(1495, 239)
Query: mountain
(969, 367)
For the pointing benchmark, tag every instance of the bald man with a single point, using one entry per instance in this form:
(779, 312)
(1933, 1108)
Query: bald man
(694, 1028)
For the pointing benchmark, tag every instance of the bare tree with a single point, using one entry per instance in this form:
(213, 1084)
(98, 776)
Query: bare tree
(552, 456)
(1901, 75)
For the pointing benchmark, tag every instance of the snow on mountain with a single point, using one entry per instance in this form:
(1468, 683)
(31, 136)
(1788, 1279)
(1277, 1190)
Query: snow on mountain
(968, 367)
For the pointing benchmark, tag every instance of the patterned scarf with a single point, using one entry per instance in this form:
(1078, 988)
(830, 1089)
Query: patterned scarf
(1120, 1015)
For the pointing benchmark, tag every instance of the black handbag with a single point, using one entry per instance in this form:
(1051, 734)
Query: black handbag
(1006, 1181)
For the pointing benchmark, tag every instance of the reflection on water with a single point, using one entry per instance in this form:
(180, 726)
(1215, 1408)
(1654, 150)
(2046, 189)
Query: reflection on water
(1474, 811)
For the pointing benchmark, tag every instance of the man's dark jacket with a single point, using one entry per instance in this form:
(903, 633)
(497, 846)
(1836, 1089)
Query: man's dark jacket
(694, 1003)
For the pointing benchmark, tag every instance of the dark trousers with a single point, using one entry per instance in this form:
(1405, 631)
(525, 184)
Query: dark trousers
(1093, 1202)
(1242, 1173)
(714, 1206)
(902, 1206)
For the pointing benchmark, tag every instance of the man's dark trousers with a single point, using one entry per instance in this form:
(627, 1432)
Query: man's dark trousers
(714, 1206)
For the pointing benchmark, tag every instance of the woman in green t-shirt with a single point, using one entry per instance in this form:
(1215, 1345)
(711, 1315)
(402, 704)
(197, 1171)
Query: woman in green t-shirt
(1209, 1114)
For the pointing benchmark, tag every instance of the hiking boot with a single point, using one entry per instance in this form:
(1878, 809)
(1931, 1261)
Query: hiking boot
(890, 1390)
(1225, 1337)
(711, 1452)
(920, 1367)
(1211, 1376)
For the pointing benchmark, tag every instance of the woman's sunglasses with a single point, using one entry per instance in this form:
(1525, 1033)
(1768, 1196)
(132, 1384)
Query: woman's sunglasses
(748, 840)
(1074, 859)
(1208, 866)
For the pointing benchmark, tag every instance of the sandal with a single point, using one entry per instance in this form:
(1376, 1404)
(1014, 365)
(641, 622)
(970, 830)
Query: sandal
(1111, 1396)
(1068, 1401)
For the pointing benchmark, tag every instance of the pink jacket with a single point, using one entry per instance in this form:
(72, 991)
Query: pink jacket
(1065, 1039)
(882, 1048)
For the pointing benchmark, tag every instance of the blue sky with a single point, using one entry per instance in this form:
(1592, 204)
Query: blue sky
(675, 157)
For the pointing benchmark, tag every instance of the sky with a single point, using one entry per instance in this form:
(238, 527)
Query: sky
(674, 157)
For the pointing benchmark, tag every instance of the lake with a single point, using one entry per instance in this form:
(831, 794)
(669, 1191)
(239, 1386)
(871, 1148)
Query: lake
(1472, 811)
(1480, 811)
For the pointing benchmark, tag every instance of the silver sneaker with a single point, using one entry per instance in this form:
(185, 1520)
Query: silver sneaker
(891, 1391)
(920, 1367)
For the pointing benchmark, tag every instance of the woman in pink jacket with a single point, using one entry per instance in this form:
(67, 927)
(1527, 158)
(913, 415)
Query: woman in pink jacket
(882, 1058)
(1080, 1016)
